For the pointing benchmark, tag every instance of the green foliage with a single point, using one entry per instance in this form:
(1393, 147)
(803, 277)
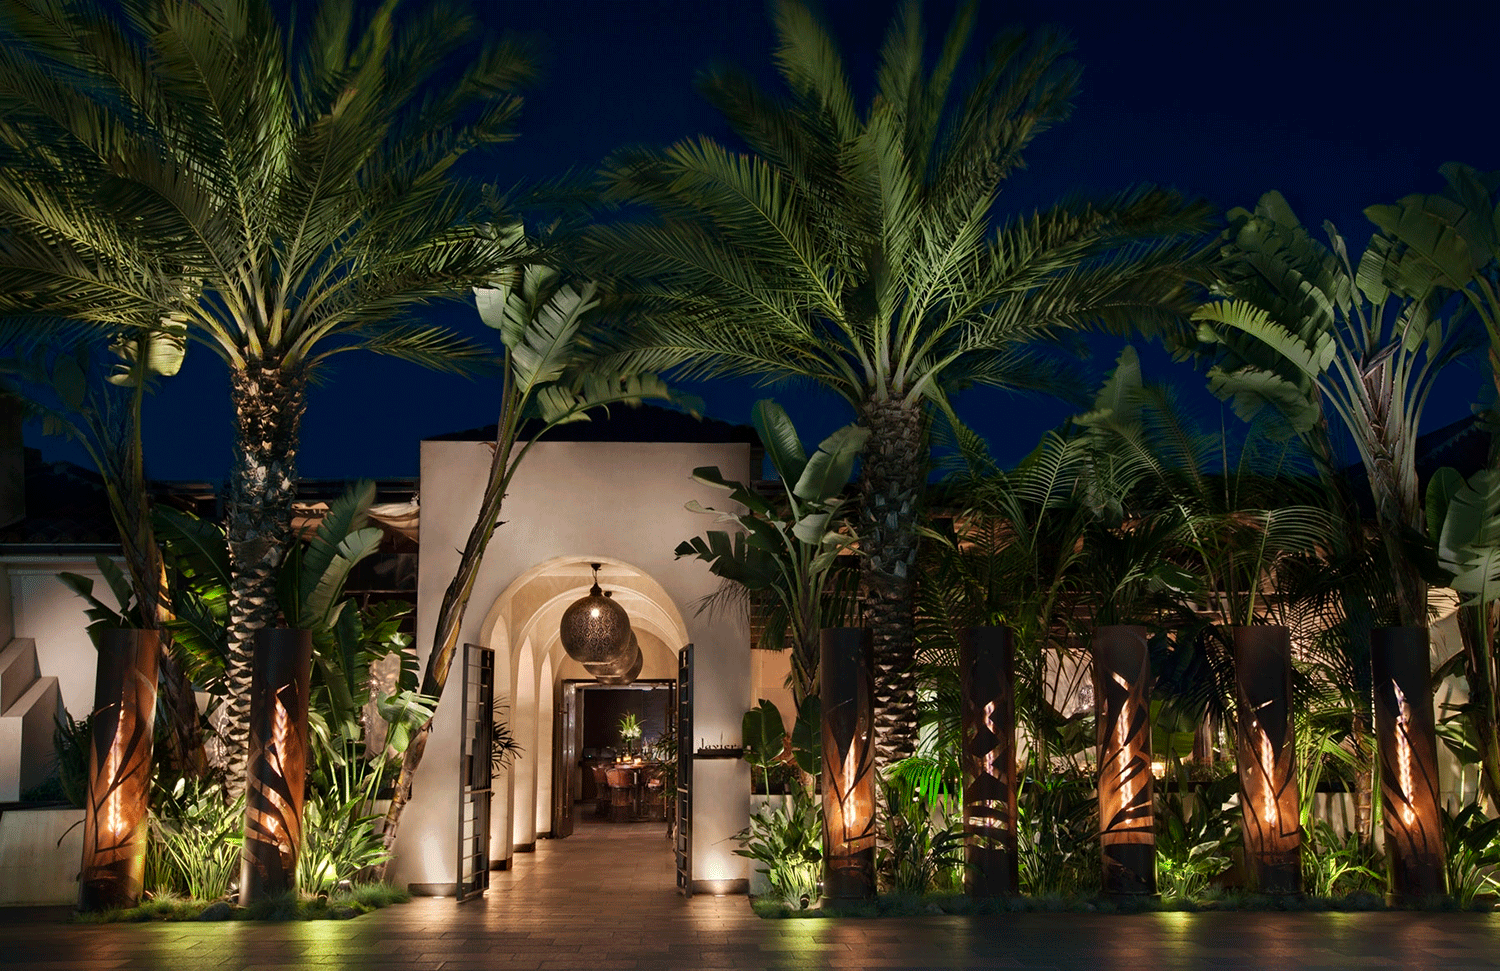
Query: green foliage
(1196, 830)
(923, 845)
(1335, 865)
(788, 840)
(1450, 240)
(126, 615)
(789, 550)
(1058, 846)
(341, 834)
(195, 843)
(807, 736)
(1471, 843)
(340, 905)
(504, 747)
(195, 556)
(71, 740)
(1298, 329)
(1463, 528)
(764, 736)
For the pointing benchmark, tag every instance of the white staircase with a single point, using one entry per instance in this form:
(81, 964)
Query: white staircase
(29, 706)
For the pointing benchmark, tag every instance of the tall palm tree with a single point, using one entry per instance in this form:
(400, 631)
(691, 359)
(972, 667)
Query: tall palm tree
(285, 195)
(1303, 328)
(851, 246)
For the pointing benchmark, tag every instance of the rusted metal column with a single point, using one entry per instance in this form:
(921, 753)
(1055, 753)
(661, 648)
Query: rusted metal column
(1408, 762)
(1267, 760)
(847, 689)
(277, 774)
(987, 664)
(1122, 700)
(119, 793)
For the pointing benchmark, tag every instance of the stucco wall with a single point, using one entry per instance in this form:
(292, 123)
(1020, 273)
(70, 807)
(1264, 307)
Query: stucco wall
(45, 610)
(623, 502)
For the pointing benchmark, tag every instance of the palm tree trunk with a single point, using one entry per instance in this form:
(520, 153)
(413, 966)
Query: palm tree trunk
(1397, 512)
(121, 461)
(268, 406)
(891, 488)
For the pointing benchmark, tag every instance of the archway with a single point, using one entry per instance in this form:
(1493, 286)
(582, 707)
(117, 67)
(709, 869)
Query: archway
(522, 626)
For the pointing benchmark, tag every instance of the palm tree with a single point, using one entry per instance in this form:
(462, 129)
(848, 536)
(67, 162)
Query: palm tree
(286, 195)
(1451, 240)
(852, 247)
(1303, 328)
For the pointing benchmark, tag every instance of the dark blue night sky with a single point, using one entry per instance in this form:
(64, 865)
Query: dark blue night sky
(1338, 105)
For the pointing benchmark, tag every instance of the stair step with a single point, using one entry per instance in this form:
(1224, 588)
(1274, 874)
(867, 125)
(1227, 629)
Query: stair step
(26, 752)
(18, 671)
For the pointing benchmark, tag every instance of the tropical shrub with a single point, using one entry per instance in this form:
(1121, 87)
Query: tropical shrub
(340, 831)
(195, 840)
(1472, 844)
(923, 848)
(70, 745)
(788, 840)
(1337, 864)
(1196, 831)
(1058, 845)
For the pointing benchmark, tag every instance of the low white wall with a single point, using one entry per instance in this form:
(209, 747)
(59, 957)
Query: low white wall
(41, 851)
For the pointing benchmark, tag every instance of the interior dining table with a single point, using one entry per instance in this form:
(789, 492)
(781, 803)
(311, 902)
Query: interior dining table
(635, 790)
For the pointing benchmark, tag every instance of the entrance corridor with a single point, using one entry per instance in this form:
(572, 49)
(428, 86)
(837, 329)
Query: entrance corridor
(603, 899)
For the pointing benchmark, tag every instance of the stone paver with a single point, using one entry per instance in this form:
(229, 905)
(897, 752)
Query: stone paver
(602, 899)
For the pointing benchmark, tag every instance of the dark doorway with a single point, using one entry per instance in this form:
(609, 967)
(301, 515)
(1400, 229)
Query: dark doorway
(588, 726)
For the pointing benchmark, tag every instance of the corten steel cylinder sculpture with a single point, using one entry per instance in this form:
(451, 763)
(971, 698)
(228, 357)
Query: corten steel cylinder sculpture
(987, 664)
(277, 772)
(1408, 762)
(847, 689)
(1122, 700)
(119, 789)
(1266, 758)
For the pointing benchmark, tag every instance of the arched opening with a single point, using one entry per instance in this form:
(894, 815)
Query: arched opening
(546, 780)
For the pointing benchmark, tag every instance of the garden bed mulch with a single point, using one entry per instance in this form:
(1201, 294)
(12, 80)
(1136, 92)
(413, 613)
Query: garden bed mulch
(337, 906)
(908, 905)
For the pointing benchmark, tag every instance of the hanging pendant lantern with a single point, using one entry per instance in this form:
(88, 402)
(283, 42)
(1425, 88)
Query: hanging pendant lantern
(631, 671)
(595, 629)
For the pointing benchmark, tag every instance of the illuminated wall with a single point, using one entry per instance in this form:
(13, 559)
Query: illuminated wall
(621, 504)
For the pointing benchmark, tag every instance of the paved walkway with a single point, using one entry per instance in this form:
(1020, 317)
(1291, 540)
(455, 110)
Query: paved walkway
(603, 899)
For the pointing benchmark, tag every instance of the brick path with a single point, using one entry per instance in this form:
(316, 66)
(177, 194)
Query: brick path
(602, 899)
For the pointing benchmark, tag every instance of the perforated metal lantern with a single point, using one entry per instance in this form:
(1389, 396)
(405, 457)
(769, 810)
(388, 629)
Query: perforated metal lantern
(632, 671)
(595, 629)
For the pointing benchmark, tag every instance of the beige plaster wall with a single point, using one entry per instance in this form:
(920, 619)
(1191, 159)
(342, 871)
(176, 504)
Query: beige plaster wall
(43, 609)
(622, 502)
(769, 671)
